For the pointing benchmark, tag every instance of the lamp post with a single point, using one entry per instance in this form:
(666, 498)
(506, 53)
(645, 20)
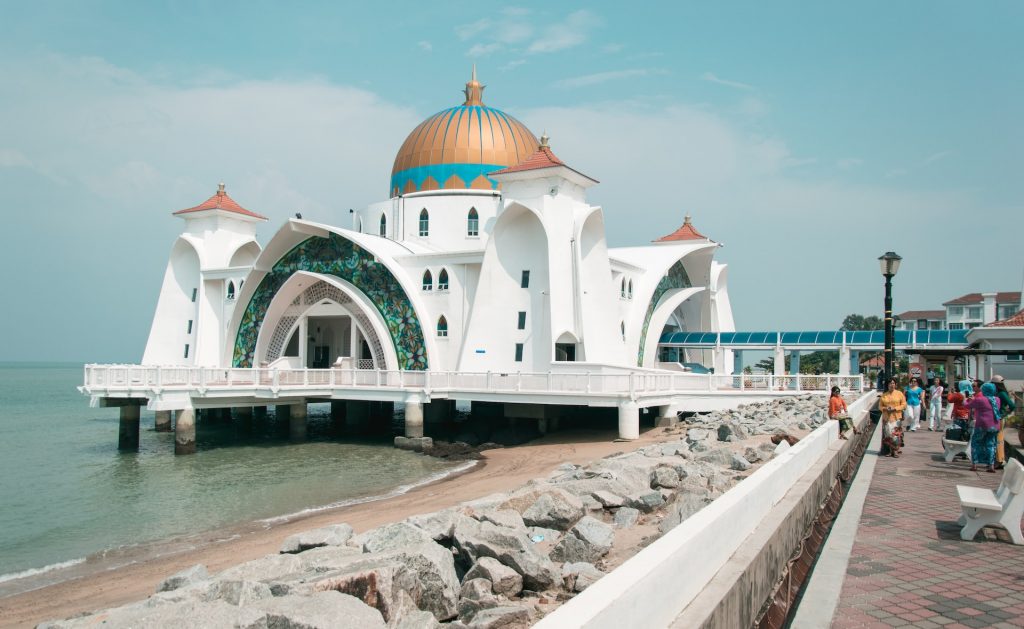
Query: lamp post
(889, 263)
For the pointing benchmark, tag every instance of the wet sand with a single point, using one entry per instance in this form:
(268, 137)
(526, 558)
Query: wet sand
(500, 470)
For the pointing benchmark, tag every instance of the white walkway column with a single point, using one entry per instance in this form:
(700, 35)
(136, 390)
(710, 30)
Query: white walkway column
(185, 432)
(413, 418)
(297, 422)
(844, 361)
(780, 362)
(162, 421)
(629, 420)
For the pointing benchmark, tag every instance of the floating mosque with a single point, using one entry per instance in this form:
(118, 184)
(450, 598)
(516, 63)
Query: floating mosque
(485, 276)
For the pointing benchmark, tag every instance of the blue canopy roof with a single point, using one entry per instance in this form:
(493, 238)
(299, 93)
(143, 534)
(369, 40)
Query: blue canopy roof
(827, 338)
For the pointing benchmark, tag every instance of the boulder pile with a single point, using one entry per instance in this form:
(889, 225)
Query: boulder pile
(499, 561)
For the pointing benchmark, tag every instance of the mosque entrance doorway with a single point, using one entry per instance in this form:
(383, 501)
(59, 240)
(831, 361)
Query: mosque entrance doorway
(330, 338)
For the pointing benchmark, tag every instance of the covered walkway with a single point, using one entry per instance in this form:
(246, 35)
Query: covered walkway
(894, 557)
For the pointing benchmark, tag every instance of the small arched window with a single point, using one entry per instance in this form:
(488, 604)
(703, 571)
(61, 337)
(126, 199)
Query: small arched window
(629, 290)
(231, 290)
(428, 280)
(622, 289)
(622, 327)
(442, 280)
(383, 225)
(442, 327)
(473, 223)
(424, 223)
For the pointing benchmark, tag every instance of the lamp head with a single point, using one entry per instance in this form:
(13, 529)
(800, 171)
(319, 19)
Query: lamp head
(889, 263)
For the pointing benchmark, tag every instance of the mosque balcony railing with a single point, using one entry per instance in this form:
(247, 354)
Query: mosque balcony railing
(127, 378)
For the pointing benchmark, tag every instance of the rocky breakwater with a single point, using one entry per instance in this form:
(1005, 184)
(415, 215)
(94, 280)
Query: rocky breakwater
(499, 561)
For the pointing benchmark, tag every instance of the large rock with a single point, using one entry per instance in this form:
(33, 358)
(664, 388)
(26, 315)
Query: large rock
(418, 620)
(188, 576)
(265, 569)
(509, 518)
(329, 558)
(506, 616)
(554, 510)
(504, 580)
(324, 610)
(587, 541)
(188, 615)
(334, 535)
(739, 463)
(434, 567)
(664, 476)
(646, 501)
(684, 506)
(579, 576)
(608, 499)
(378, 585)
(240, 593)
(437, 525)
(510, 548)
(719, 456)
(626, 517)
(476, 595)
(392, 536)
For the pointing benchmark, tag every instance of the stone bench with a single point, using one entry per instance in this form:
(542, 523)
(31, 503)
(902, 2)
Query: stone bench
(1003, 507)
(952, 448)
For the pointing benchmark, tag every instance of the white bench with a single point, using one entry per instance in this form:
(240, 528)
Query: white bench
(1003, 507)
(953, 448)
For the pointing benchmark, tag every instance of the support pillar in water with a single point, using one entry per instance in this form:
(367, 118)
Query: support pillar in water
(185, 432)
(128, 431)
(629, 421)
(297, 422)
(162, 421)
(357, 415)
(413, 418)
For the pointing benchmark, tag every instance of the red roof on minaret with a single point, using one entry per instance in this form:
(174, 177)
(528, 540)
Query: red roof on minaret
(221, 201)
(541, 158)
(686, 232)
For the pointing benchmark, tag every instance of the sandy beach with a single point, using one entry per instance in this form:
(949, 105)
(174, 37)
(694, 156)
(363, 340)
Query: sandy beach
(500, 470)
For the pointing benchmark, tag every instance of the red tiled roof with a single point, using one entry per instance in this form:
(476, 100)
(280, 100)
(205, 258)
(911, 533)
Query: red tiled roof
(976, 298)
(221, 201)
(686, 232)
(922, 314)
(1016, 321)
(541, 158)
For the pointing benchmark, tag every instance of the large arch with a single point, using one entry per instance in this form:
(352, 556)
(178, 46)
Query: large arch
(335, 255)
(303, 292)
(675, 279)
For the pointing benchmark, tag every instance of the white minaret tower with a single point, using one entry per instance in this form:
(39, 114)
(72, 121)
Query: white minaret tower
(207, 265)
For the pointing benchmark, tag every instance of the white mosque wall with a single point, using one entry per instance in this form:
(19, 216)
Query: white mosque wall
(169, 332)
(448, 213)
(599, 298)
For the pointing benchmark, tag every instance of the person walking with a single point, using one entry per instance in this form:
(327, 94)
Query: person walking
(985, 408)
(914, 393)
(892, 404)
(1007, 408)
(935, 405)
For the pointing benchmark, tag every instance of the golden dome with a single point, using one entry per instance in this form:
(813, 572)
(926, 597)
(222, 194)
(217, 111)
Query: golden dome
(457, 148)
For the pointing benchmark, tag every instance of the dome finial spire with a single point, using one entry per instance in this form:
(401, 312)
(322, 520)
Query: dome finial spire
(220, 189)
(474, 91)
(544, 139)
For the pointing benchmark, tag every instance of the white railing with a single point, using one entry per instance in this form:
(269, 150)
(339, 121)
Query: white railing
(141, 377)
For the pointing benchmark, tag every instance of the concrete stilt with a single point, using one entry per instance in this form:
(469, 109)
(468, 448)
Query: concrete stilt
(128, 431)
(242, 418)
(282, 412)
(413, 419)
(297, 422)
(339, 411)
(162, 421)
(665, 417)
(185, 432)
(357, 415)
(629, 421)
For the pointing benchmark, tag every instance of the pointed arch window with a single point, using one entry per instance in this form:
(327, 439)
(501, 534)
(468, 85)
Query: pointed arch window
(442, 280)
(424, 223)
(622, 289)
(428, 280)
(383, 225)
(473, 223)
(622, 327)
(231, 290)
(629, 290)
(442, 327)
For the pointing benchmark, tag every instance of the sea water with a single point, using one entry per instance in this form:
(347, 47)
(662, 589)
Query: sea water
(67, 493)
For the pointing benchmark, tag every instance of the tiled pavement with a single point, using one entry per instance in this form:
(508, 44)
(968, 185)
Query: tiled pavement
(909, 567)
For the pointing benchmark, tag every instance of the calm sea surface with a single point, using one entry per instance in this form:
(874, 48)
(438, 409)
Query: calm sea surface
(67, 493)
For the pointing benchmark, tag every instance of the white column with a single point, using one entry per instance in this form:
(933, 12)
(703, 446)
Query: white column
(413, 418)
(780, 361)
(162, 421)
(297, 422)
(844, 361)
(185, 432)
(303, 341)
(629, 421)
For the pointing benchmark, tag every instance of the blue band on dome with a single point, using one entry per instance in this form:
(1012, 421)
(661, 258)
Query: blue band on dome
(441, 173)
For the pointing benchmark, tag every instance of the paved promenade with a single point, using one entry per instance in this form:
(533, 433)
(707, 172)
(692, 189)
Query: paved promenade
(907, 566)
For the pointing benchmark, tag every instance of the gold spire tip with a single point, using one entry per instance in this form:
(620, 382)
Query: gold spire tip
(544, 139)
(220, 188)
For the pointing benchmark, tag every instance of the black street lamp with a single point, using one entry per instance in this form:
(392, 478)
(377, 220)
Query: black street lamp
(890, 263)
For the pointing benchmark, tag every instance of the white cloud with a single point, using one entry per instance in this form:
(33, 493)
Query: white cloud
(612, 48)
(573, 31)
(9, 158)
(711, 78)
(482, 50)
(425, 46)
(468, 31)
(934, 157)
(603, 77)
(848, 163)
(512, 65)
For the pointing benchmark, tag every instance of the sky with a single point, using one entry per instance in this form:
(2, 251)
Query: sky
(808, 138)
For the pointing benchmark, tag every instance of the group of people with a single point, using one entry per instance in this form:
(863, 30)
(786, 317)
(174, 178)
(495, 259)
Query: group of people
(979, 408)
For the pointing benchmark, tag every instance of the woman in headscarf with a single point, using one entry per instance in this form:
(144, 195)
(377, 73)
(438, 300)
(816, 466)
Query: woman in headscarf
(986, 427)
(1006, 407)
(961, 414)
(892, 404)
